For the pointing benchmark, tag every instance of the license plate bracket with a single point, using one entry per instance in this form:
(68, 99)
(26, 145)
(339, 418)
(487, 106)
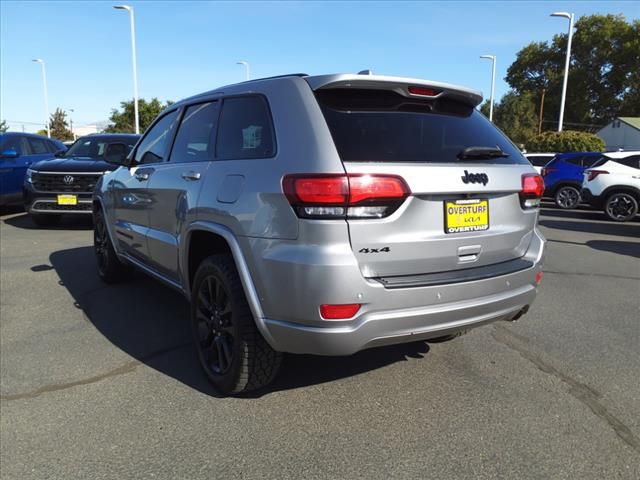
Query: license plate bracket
(466, 215)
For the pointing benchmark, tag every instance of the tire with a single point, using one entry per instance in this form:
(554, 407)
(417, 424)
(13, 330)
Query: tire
(621, 207)
(232, 352)
(567, 197)
(110, 268)
(45, 220)
(446, 338)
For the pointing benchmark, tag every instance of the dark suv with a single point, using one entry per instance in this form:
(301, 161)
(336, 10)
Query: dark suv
(65, 185)
(324, 215)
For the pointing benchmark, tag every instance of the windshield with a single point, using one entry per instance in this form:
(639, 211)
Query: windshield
(382, 126)
(93, 147)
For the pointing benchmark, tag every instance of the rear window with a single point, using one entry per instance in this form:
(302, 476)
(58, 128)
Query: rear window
(382, 126)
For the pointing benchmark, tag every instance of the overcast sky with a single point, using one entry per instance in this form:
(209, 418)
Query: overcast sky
(189, 47)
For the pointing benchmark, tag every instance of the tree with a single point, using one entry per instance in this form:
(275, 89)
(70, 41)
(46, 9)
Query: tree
(3, 126)
(59, 127)
(516, 116)
(566, 141)
(603, 80)
(123, 120)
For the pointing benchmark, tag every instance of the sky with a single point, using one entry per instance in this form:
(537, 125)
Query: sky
(189, 47)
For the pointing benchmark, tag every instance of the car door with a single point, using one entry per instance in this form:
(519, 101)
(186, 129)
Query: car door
(13, 168)
(175, 186)
(128, 188)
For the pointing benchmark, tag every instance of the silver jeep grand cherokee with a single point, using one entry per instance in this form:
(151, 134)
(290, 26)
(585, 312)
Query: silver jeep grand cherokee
(324, 215)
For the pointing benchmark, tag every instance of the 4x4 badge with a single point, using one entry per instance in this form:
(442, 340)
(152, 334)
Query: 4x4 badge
(482, 178)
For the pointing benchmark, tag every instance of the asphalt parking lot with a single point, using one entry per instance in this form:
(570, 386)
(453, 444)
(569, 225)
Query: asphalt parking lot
(102, 382)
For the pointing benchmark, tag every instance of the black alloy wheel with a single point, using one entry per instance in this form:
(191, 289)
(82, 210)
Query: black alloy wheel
(567, 197)
(621, 207)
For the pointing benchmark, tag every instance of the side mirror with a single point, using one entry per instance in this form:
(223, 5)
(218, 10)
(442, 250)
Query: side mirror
(9, 153)
(59, 153)
(116, 153)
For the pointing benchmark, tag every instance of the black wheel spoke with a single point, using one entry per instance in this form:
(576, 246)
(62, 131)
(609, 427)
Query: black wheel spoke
(226, 349)
(220, 354)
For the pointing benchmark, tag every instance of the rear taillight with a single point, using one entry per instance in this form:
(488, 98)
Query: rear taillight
(592, 174)
(532, 190)
(345, 196)
(547, 170)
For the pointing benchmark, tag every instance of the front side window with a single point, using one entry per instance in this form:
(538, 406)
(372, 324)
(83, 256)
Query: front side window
(38, 146)
(195, 139)
(153, 147)
(245, 129)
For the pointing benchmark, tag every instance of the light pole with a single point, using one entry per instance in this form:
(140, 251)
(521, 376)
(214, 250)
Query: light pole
(133, 62)
(46, 95)
(566, 64)
(246, 66)
(493, 82)
(71, 123)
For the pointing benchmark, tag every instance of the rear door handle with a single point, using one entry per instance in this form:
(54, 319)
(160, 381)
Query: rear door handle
(191, 176)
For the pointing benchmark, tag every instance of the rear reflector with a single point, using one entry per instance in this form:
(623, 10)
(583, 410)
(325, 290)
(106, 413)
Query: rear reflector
(532, 190)
(592, 174)
(538, 278)
(345, 196)
(425, 92)
(339, 312)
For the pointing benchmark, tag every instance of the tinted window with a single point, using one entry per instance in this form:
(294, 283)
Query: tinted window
(589, 160)
(633, 161)
(382, 126)
(14, 143)
(153, 147)
(245, 129)
(53, 148)
(574, 161)
(38, 146)
(94, 145)
(195, 139)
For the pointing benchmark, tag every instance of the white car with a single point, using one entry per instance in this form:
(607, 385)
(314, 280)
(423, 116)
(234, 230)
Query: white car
(539, 160)
(613, 185)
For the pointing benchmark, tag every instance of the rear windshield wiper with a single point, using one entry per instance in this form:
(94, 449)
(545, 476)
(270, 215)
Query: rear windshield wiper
(479, 153)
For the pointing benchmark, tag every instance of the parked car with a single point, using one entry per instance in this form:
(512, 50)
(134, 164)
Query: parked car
(563, 177)
(65, 184)
(17, 152)
(539, 160)
(324, 215)
(613, 185)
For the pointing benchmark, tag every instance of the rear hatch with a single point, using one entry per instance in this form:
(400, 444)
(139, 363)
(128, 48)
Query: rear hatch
(464, 210)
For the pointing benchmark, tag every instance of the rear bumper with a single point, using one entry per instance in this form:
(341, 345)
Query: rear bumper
(595, 201)
(399, 315)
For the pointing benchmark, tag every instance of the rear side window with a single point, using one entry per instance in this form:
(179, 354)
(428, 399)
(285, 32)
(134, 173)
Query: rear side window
(195, 139)
(19, 144)
(38, 146)
(153, 147)
(382, 126)
(539, 161)
(633, 161)
(589, 160)
(245, 129)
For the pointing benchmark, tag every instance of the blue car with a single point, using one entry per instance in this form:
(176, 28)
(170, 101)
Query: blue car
(563, 177)
(17, 152)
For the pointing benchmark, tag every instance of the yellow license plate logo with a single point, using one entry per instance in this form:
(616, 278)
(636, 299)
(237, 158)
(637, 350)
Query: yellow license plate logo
(67, 200)
(466, 216)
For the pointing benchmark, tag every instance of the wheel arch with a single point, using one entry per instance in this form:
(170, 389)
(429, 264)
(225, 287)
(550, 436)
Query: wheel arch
(621, 189)
(202, 239)
(565, 183)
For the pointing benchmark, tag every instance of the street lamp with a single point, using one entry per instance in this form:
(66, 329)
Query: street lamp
(569, 16)
(493, 82)
(46, 96)
(133, 62)
(246, 66)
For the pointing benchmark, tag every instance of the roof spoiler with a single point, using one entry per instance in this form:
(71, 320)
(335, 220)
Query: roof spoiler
(407, 87)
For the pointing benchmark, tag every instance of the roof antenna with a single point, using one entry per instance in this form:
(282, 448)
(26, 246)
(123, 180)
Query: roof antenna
(365, 72)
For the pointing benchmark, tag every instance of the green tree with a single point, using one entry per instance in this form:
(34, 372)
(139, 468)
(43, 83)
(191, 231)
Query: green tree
(122, 120)
(3, 126)
(603, 81)
(516, 116)
(59, 127)
(566, 141)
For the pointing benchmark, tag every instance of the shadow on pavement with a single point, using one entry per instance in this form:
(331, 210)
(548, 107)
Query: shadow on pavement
(631, 249)
(150, 322)
(630, 229)
(579, 214)
(68, 222)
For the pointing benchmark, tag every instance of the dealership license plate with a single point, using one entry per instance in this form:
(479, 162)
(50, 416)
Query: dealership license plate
(469, 215)
(67, 200)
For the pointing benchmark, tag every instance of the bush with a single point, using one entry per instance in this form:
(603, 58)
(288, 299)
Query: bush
(567, 141)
